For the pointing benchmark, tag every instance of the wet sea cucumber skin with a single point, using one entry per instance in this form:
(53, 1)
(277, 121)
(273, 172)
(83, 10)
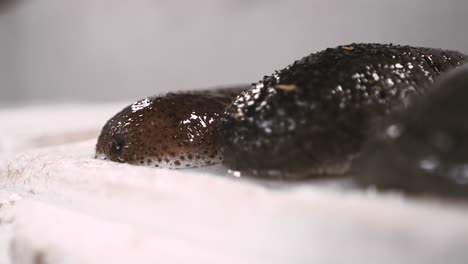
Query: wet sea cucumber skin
(311, 118)
(176, 130)
(424, 149)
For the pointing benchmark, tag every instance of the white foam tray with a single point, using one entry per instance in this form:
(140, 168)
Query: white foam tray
(57, 205)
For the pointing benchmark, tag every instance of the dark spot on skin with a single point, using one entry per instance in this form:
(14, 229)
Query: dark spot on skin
(423, 149)
(116, 148)
(39, 257)
(177, 163)
(311, 118)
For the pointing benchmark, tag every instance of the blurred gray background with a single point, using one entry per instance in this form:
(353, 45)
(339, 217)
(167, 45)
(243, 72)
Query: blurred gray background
(98, 50)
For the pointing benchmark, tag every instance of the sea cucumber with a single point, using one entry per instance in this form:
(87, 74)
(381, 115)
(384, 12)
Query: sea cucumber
(311, 118)
(423, 149)
(176, 130)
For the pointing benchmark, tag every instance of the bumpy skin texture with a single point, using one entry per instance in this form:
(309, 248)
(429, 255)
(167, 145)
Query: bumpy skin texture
(424, 149)
(177, 130)
(311, 118)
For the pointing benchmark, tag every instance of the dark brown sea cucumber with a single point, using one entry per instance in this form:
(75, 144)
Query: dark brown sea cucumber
(176, 130)
(423, 149)
(311, 118)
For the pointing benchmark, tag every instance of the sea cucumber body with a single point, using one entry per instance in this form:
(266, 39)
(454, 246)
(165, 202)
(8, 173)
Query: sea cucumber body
(311, 118)
(176, 130)
(423, 149)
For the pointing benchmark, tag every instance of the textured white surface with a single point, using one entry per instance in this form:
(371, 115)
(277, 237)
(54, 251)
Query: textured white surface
(26, 127)
(72, 209)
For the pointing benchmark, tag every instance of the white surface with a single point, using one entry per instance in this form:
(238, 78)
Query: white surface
(26, 127)
(72, 209)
